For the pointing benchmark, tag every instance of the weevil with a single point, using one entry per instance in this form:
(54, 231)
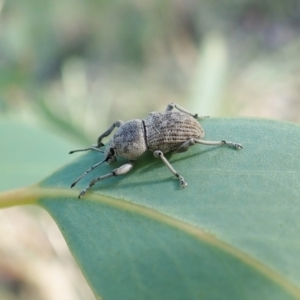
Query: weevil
(161, 132)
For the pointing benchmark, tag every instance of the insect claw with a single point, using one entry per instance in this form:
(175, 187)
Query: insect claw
(183, 184)
(73, 184)
(81, 194)
(238, 146)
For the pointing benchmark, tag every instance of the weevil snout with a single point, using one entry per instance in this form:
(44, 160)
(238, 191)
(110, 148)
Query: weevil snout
(110, 154)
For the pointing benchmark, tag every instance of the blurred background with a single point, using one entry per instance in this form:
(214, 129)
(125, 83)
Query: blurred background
(72, 67)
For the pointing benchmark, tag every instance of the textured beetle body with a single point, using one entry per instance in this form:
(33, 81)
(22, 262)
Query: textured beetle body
(167, 131)
(164, 131)
(160, 132)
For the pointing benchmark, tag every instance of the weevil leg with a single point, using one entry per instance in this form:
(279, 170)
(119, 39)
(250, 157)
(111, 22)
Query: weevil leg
(159, 154)
(87, 171)
(185, 146)
(99, 143)
(171, 106)
(93, 147)
(116, 172)
(108, 132)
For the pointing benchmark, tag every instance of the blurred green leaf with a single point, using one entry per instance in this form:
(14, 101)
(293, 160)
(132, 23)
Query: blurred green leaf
(63, 124)
(233, 233)
(29, 153)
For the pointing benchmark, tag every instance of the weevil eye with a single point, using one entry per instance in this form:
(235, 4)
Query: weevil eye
(111, 157)
(112, 151)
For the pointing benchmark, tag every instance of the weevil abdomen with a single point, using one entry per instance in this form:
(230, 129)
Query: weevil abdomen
(167, 131)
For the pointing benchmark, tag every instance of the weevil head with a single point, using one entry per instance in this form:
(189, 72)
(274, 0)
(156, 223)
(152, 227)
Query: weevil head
(128, 142)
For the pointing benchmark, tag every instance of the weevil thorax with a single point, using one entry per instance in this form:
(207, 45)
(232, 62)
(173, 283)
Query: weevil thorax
(128, 142)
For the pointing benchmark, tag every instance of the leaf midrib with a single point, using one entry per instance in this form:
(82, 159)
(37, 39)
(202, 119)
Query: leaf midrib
(32, 195)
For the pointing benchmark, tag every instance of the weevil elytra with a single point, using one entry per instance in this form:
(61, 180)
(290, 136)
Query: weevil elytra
(160, 133)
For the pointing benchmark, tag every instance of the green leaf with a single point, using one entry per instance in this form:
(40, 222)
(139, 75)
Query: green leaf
(232, 233)
(29, 154)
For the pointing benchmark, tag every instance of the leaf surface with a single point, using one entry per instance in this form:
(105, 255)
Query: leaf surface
(232, 233)
(28, 153)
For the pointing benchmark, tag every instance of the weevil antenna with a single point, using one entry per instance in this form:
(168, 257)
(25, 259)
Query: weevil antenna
(87, 149)
(88, 171)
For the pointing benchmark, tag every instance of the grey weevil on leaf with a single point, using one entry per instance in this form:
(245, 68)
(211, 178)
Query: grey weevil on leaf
(160, 133)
